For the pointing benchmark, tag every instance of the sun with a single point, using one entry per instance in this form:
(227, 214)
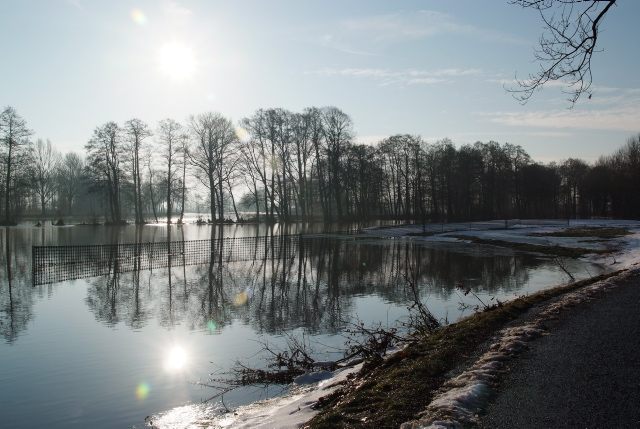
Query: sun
(177, 61)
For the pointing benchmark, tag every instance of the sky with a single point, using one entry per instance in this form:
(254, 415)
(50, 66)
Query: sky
(437, 69)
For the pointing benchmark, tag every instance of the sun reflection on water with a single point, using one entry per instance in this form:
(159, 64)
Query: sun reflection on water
(176, 359)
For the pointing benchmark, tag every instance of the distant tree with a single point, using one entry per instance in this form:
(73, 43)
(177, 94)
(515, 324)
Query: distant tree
(364, 181)
(565, 51)
(518, 158)
(262, 156)
(338, 132)
(496, 181)
(214, 143)
(540, 190)
(70, 179)
(573, 172)
(153, 174)
(467, 182)
(625, 164)
(249, 166)
(105, 152)
(183, 152)
(598, 189)
(441, 162)
(43, 172)
(319, 170)
(302, 161)
(15, 155)
(135, 132)
(169, 137)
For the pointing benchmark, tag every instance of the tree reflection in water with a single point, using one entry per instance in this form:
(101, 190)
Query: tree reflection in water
(16, 297)
(280, 282)
(314, 288)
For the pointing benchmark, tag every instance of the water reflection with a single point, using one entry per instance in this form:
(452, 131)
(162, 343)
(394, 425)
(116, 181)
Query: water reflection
(16, 298)
(308, 282)
(293, 282)
(176, 359)
(272, 282)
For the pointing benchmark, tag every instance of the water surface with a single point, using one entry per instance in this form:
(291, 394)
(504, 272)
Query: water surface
(109, 350)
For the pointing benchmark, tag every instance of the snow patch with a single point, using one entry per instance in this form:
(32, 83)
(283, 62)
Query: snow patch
(461, 398)
(312, 377)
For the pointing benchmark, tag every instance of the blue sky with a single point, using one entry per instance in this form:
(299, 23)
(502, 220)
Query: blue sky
(429, 68)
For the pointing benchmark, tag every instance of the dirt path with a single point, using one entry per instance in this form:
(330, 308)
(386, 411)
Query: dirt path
(584, 374)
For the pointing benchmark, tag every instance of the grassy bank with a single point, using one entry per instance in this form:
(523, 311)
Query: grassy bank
(388, 392)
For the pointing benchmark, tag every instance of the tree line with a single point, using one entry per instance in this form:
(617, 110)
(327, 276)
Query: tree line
(278, 165)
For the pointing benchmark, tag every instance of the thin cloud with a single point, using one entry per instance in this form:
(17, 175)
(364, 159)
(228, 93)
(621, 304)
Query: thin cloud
(403, 77)
(401, 26)
(365, 35)
(75, 3)
(176, 10)
(609, 109)
(622, 119)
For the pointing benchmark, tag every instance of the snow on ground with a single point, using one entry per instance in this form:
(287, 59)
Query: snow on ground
(464, 394)
(288, 411)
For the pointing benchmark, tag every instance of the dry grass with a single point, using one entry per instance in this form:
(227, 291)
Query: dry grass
(388, 392)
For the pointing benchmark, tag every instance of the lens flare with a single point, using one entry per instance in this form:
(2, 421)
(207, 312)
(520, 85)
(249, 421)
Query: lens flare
(142, 391)
(243, 135)
(241, 299)
(212, 325)
(138, 17)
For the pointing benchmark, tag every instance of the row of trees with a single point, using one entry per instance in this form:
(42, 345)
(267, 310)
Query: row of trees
(286, 165)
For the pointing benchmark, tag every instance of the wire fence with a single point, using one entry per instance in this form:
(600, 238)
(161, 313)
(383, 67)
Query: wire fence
(52, 264)
(437, 228)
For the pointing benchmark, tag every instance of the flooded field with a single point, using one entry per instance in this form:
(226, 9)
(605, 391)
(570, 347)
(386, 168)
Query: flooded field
(107, 348)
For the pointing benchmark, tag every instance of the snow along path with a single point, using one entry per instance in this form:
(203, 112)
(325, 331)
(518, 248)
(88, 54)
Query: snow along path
(581, 367)
(584, 374)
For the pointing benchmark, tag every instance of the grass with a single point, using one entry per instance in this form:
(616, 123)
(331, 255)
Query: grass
(388, 392)
(566, 252)
(603, 233)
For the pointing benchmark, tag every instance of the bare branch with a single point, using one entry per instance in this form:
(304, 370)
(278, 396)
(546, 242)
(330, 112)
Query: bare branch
(566, 46)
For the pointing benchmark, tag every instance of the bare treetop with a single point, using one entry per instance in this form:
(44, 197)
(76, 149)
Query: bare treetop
(566, 46)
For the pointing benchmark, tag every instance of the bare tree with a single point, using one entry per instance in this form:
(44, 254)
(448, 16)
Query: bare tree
(338, 134)
(260, 161)
(572, 30)
(302, 161)
(70, 179)
(136, 131)
(170, 136)
(104, 163)
(14, 154)
(43, 172)
(214, 140)
(184, 156)
(152, 174)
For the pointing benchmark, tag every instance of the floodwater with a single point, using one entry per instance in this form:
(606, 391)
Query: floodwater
(107, 348)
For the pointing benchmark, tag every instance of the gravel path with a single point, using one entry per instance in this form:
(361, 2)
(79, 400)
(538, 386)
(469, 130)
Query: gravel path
(584, 374)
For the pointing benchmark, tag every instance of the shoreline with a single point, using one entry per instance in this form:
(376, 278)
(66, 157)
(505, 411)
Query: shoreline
(402, 387)
(466, 384)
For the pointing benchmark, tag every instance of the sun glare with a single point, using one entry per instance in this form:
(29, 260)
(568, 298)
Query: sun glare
(176, 359)
(177, 61)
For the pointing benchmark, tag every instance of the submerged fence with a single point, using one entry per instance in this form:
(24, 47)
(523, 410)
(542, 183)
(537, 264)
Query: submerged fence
(52, 264)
